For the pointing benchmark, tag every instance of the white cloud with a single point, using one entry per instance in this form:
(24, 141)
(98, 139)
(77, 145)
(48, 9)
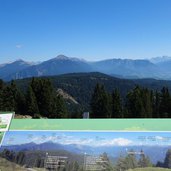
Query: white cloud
(95, 142)
(164, 139)
(79, 141)
(116, 142)
(18, 46)
(67, 140)
(159, 138)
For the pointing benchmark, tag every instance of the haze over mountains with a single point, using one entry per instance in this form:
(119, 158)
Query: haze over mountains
(158, 68)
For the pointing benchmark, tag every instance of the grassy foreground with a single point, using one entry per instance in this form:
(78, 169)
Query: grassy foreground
(150, 169)
(9, 166)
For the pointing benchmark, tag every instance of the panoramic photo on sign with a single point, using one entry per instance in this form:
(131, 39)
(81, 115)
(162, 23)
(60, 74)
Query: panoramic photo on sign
(86, 150)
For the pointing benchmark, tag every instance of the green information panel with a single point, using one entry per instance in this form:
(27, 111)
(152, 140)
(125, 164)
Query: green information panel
(92, 124)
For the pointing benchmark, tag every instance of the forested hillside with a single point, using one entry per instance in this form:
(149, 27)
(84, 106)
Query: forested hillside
(40, 97)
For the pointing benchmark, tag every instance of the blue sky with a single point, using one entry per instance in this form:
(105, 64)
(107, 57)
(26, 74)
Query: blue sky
(88, 138)
(91, 29)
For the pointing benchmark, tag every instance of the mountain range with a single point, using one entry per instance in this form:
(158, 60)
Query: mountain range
(156, 153)
(158, 68)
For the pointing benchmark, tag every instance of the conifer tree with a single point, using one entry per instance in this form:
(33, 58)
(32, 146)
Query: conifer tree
(49, 103)
(106, 165)
(1, 90)
(19, 98)
(13, 89)
(156, 105)
(147, 97)
(134, 103)
(127, 162)
(58, 108)
(144, 161)
(20, 102)
(165, 103)
(120, 164)
(116, 105)
(131, 161)
(8, 99)
(167, 161)
(75, 166)
(43, 91)
(32, 107)
(139, 103)
(20, 158)
(100, 103)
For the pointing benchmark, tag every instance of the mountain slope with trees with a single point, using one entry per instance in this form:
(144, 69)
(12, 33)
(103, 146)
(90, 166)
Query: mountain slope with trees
(102, 95)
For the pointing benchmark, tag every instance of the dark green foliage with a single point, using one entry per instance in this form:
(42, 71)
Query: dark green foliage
(92, 91)
(125, 163)
(81, 85)
(107, 164)
(12, 99)
(167, 161)
(75, 111)
(121, 165)
(116, 105)
(1, 93)
(43, 91)
(100, 103)
(8, 102)
(1, 84)
(32, 107)
(147, 98)
(20, 102)
(144, 161)
(49, 103)
(159, 164)
(156, 105)
(40, 99)
(58, 108)
(139, 103)
(130, 162)
(18, 97)
(20, 158)
(136, 103)
(9, 155)
(165, 104)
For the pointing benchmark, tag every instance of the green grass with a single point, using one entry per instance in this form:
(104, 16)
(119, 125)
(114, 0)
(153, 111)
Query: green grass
(150, 169)
(9, 166)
